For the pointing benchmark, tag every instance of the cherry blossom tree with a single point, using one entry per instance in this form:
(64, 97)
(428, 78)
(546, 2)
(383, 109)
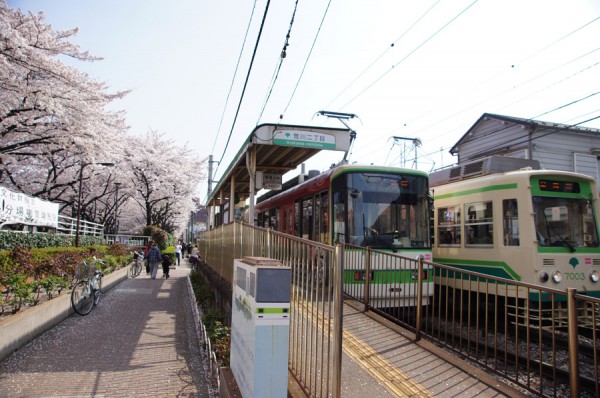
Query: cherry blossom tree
(165, 179)
(57, 137)
(53, 120)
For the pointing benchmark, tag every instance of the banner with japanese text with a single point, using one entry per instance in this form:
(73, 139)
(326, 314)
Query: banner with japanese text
(18, 208)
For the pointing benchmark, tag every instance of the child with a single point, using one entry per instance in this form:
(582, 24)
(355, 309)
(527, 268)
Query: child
(166, 263)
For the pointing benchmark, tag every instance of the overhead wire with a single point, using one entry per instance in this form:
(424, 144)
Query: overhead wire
(531, 119)
(514, 142)
(262, 25)
(495, 76)
(527, 139)
(280, 63)
(234, 76)
(383, 53)
(306, 61)
(409, 54)
(560, 39)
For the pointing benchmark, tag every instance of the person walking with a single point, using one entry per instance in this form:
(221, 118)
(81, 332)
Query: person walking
(154, 259)
(148, 246)
(178, 252)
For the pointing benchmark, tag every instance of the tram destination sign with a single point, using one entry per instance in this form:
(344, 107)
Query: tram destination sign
(304, 139)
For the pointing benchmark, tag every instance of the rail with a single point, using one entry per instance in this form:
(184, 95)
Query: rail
(313, 339)
(68, 226)
(541, 339)
(127, 240)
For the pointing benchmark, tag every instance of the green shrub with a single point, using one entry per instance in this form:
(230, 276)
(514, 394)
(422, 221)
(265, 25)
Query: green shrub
(26, 274)
(218, 333)
(10, 239)
(17, 291)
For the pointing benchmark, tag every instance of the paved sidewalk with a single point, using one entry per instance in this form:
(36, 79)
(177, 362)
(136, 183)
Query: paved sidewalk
(140, 341)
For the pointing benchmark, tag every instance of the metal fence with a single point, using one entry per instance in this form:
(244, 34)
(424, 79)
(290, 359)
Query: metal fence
(68, 226)
(127, 240)
(543, 340)
(315, 333)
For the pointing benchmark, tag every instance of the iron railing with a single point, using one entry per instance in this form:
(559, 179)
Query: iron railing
(313, 340)
(542, 339)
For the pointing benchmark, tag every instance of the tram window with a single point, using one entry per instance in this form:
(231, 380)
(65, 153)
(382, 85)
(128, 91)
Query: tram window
(479, 224)
(510, 222)
(324, 215)
(260, 221)
(297, 224)
(274, 219)
(307, 218)
(449, 226)
(564, 222)
(317, 218)
(339, 214)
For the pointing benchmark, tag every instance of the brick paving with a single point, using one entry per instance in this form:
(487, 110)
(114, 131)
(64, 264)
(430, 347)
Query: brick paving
(140, 341)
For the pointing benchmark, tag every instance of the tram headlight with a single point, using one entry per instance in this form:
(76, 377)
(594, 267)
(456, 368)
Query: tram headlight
(557, 276)
(544, 277)
(594, 276)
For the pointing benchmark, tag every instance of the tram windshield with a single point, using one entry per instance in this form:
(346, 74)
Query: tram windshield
(565, 222)
(383, 211)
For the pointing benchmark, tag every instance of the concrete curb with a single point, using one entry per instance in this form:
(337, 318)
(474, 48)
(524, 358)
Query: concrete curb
(25, 326)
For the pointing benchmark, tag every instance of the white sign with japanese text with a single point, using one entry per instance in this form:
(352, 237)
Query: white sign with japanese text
(18, 208)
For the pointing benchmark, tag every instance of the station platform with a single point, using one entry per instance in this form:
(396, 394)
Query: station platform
(380, 359)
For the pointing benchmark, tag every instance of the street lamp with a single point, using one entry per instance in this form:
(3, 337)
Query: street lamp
(117, 184)
(106, 164)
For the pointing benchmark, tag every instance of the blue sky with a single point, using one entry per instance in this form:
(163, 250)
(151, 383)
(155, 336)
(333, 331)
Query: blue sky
(451, 61)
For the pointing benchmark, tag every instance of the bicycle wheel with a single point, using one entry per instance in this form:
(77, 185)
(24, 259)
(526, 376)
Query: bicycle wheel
(82, 298)
(136, 268)
(97, 288)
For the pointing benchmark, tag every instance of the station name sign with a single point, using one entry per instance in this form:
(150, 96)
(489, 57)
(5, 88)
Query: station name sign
(304, 139)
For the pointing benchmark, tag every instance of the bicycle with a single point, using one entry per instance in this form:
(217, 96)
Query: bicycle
(86, 292)
(138, 262)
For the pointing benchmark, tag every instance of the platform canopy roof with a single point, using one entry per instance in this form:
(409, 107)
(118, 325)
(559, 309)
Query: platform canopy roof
(274, 149)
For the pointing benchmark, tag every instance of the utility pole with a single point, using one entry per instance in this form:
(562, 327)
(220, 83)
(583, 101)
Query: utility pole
(415, 142)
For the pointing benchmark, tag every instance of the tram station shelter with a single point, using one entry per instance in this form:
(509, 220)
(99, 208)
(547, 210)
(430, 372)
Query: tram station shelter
(269, 152)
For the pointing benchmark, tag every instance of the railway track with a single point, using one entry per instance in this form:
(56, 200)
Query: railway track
(536, 361)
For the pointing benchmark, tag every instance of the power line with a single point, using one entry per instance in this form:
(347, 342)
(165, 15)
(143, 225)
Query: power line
(382, 54)
(234, 76)
(566, 127)
(306, 61)
(568, 104)
(281, 58)
(501, 73)
(262, 24)
(409, 54)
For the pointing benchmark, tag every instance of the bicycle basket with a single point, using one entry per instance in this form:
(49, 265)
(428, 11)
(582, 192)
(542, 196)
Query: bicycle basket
(84, 270)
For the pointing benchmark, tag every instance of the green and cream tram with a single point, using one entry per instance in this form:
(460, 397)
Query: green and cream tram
(527, 225)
